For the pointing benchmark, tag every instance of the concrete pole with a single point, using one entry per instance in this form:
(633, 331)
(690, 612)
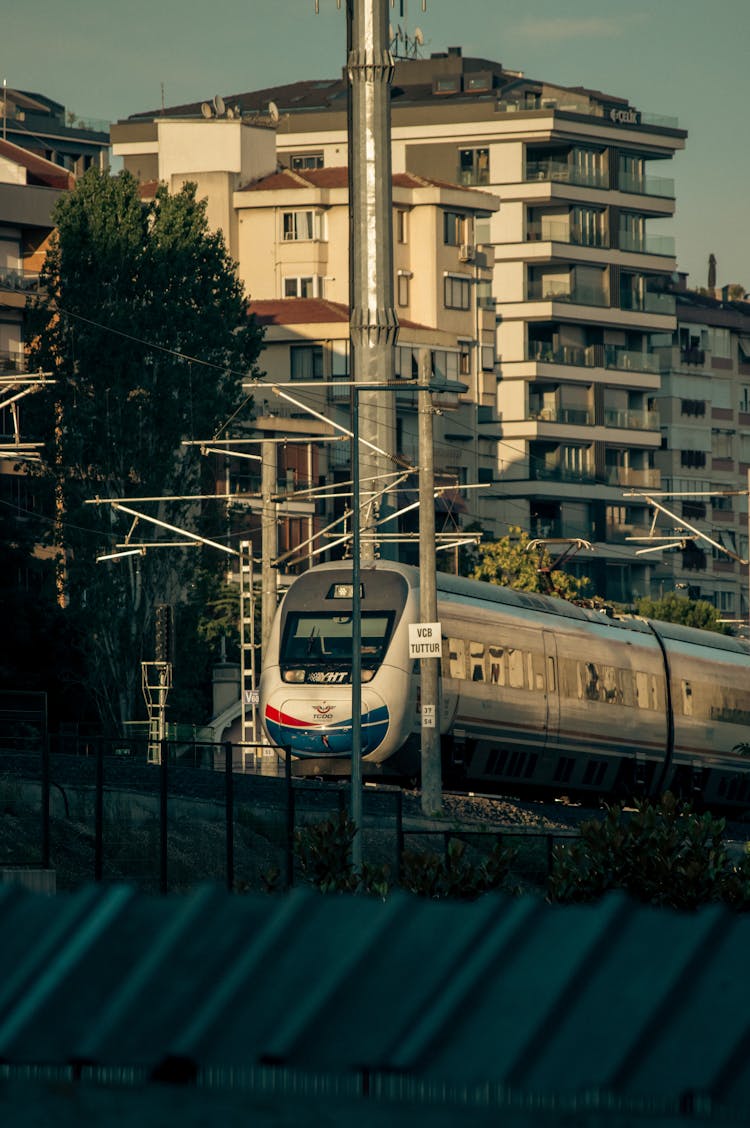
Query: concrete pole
(432, 788)
(372, 319)
(269, 540)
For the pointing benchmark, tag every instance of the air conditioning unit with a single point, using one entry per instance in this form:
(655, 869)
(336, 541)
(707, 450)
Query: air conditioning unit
(466, 252)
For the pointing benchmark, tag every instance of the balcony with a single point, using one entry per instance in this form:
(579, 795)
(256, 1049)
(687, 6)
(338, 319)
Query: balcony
(562, 172)
(648, 244)
(649, 302)
(573, 416)
(646, 185)
(12, 278)
(594, 356)
(637, 479)
(548, 290)
(561, 232)
(632, 420)
(553, 471)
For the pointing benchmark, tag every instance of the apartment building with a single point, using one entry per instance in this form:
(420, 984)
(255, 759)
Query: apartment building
(48, 130)
(704, 412)
(288, 232)
(582, 282)
(30, 186)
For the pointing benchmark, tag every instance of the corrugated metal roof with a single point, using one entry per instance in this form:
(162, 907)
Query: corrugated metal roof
(645, 1008)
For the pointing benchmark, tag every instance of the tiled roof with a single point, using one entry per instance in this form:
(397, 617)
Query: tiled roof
(39, 171)
(336, 177)
(308, 311)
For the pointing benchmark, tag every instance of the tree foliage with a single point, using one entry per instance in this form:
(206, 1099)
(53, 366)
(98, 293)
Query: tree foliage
(673, 608)
(143, 323)
(509, 563)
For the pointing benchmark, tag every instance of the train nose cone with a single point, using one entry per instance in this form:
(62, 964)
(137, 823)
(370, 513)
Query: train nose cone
(324, 726)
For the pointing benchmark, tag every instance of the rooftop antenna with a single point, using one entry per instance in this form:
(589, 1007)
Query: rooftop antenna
(402, 44)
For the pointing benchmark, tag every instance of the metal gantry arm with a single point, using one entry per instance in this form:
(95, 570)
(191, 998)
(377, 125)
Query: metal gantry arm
(681, 522)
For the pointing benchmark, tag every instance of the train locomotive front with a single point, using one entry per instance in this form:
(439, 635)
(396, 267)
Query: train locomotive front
(306, 690)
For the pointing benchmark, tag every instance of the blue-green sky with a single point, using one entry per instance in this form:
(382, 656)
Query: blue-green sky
(683, 58)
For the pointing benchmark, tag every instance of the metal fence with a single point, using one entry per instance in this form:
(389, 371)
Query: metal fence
(92, 809)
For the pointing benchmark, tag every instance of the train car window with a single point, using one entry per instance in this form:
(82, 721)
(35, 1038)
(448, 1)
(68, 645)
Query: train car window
(456, 658)
(516, 669)
(311, 637)
(536, 672)
(687, 698)
(647, 690)
(496, 656)
(476, 661)
(611, 691)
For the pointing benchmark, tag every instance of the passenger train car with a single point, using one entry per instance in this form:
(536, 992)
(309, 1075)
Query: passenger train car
(535, 693)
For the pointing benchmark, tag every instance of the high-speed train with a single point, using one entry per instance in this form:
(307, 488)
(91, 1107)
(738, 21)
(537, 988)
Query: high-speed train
(535, 693)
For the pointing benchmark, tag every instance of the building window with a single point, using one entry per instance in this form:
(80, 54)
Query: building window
(455, 228)
(402, 225)
(722, 444)
(692, 459)
(457, 289)
(473, 166)
(744, 404)
(693, 407)
(464, 358)
(306, 362)
(403, 289)
(298, 226)
(488, 358)
(300, 161)
(303, 287)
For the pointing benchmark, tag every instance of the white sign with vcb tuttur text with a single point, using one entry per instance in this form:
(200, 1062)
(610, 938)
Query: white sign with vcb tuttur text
(425, 640)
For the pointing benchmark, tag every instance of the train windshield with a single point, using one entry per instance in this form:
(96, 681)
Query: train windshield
(311, 638)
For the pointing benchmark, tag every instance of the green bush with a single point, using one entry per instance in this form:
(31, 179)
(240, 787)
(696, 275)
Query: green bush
(661, 853)
(454, 876)
(324, 853)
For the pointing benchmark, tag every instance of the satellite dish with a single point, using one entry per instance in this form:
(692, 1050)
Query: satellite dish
(219, 104)
(418, 36)
(273, 111)
(230, 112)
(206, 110)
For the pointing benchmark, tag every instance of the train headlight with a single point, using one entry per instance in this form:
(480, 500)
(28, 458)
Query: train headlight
(368, 675)
(294, 675)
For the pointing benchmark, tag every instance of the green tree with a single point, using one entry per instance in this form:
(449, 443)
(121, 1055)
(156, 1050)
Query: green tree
(509, 563)
(673, 608)
(143, 322)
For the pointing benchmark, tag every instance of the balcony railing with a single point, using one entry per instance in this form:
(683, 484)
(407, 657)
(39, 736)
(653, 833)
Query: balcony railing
(568, 174)
(646, 185)
(545, 290)
(626, 359)
(573, 104)
(15, 279)
(594, 356)
(560, 232)
(648, 244)
(625, 476)
(578, 417)
(553, 472)
(632, 420)
(649, 302)
(471, 176)
(12, 362)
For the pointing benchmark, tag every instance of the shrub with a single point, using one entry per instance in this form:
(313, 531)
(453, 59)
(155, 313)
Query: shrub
(661, 853)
